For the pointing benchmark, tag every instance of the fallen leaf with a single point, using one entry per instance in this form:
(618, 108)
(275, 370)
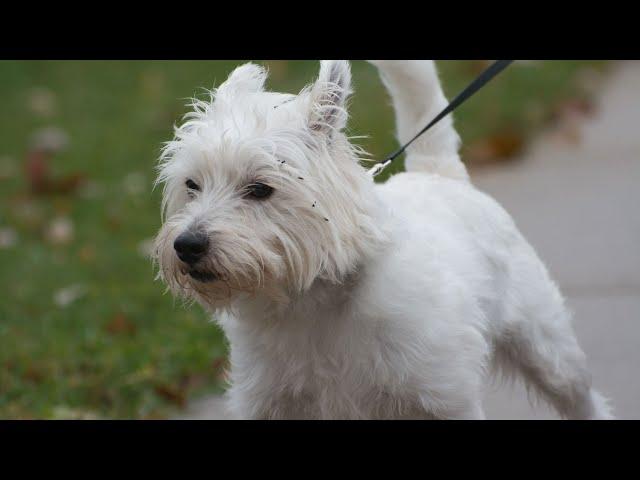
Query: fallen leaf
(219, 363)
(38, 166)
(37, 170)
(34, 374)
(144, 374)
(478, 66)
(569, 115)
(172, 394)
(500, 146)
(114, 223)
(8, 168)
(87, 254)
(153, 416)
(60, 231)
(574, 107)
(49, 140)
(8, 237)
(590, 80)
(220, 367)
(42, 101)
(27, 213)
(63, 412)
(67, 184)
(192, 381)
(66, 296)
(120, 324)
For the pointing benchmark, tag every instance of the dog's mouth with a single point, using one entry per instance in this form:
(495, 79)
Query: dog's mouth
(204, 277)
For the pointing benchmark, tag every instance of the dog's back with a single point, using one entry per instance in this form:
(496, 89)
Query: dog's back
(527, 323)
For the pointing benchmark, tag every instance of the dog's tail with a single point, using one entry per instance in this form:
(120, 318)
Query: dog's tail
(417, 98)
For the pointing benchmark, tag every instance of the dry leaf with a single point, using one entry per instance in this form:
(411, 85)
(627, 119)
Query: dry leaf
(172, 394)
(574, 107)
(590, 80)
(28, 213)
(87, 254)
(49, 140)
(500, 146)
(220, 367)
(113, 219)
(63, 412)
(153, 416)
(119, 324)
(192, 381)
(478, 66)
(8, 237)
(42, 101)
(570, 115)
(37, 169)
(34, 374)
(43, 144)
(8, 168)
(66, 296)
(60, 231)
(67, 184)
(40, 178)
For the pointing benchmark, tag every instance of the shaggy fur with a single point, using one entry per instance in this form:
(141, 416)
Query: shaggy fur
(342, 298)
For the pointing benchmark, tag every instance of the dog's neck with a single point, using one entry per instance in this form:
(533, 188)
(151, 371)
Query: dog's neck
(323, 294)
(321, 308)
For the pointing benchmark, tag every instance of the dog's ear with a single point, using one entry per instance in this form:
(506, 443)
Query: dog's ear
(247, 78)
(329, 96)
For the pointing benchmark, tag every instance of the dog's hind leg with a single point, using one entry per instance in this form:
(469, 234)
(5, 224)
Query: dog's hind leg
(417, 97)
(540, 344)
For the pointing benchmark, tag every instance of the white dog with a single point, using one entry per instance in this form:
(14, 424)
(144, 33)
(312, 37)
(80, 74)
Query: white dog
(342, 298)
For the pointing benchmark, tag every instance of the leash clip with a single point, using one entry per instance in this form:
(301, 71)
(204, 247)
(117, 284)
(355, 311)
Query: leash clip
(379, 167)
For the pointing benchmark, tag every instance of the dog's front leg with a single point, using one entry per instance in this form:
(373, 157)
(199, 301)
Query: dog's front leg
(468, 410)
(474, 412)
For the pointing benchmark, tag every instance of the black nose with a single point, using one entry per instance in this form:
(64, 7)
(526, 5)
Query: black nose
(191, 246)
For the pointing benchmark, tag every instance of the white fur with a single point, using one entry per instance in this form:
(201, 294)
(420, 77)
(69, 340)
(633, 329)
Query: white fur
(346, 299)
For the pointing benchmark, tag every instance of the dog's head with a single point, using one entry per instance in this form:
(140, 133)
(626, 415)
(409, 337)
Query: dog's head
(263, 191)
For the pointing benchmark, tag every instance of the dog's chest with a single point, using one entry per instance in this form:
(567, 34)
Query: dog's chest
(324, 378)
(323, 362)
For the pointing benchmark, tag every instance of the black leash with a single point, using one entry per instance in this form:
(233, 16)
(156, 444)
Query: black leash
(473, 87)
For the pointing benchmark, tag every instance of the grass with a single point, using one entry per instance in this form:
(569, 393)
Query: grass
(121, 348)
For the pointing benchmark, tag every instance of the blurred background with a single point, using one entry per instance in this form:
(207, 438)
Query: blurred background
(86, 332)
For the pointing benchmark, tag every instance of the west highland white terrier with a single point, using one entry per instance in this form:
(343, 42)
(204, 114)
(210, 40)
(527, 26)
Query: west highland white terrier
(346, 299)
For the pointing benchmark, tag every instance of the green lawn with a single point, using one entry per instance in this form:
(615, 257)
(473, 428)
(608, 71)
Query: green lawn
(118, 347)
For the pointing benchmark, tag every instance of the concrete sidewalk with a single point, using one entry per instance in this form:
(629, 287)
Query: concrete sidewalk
(577, 204)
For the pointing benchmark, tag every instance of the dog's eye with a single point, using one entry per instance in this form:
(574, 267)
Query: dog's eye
(191, 185)
(259, 190)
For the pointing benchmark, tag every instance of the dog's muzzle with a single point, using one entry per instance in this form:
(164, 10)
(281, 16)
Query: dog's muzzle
(191, 247)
